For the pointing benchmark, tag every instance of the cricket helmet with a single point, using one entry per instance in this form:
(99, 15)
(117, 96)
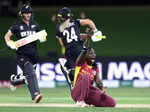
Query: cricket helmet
(25, 9)
(64, 14)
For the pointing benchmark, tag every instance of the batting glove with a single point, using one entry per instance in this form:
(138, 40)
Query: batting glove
(42, 36)
(97, 36)
(12, 44)
(63, 50)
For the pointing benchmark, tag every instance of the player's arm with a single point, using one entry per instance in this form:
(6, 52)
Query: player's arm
(10, 43)
(62, 45)
(8, 36)
(97, 35)
(88, 22)
(87, 41)
(99, 83)
(58, 36)
(82, 55)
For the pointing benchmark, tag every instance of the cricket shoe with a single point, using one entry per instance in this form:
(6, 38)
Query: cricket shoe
(38, 98)
(82, 104)
(12, 87)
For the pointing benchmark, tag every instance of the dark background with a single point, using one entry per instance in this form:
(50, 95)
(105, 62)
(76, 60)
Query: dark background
(9, 66)
(125, 23)
(87, 2)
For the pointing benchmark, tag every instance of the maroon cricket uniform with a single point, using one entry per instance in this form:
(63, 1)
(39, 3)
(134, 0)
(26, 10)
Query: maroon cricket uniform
(85, 91)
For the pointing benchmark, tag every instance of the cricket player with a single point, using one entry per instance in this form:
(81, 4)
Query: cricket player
(27, 56)
(84, 93)
(68, 35)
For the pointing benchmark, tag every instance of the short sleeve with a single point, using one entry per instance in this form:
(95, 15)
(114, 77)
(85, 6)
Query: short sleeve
(13, 29)
(77, 22)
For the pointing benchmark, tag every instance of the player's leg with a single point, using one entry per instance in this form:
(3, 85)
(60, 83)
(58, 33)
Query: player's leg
(33, 64)
(16, 80)
(107, 101)
(76, 91)
(65, 71)
(81, 90)
(85, 84)
(69, 65)
(29, 72)
(72, 56)
(99, 99)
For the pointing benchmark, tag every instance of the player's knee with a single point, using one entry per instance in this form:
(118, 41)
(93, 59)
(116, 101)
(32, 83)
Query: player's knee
(29, 70)
(107, 101)
(111, 103)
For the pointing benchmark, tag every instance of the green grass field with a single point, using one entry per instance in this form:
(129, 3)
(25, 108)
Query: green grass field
(19, 100)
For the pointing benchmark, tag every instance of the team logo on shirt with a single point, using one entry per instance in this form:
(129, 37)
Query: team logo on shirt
(32, 26)
(21, 28)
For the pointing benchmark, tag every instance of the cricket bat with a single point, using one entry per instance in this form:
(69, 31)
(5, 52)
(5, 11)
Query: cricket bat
(41, 36)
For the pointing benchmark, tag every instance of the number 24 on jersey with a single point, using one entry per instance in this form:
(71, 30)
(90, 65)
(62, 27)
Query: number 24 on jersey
(70, 36)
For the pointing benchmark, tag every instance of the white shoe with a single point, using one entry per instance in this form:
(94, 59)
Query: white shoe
(91, 105)
(12, 87)
(38, 98)
(81, 104)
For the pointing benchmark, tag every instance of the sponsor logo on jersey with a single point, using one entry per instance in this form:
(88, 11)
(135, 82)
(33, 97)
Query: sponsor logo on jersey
(27, 33)
(32, 26)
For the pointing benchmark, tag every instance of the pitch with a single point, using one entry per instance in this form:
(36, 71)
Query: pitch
(59, 100)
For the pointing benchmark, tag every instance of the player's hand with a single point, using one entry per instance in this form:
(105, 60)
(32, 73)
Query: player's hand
(97, 36)
(12, 44)
(42, 36)
(103, 89)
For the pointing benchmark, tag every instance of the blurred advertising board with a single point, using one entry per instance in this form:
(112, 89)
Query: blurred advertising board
(124, 69)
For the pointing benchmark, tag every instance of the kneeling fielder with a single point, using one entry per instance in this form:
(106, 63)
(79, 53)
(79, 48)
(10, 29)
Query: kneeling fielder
(84, 93)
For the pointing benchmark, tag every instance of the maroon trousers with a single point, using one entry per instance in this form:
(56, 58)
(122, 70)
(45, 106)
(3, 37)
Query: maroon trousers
(85, 91)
